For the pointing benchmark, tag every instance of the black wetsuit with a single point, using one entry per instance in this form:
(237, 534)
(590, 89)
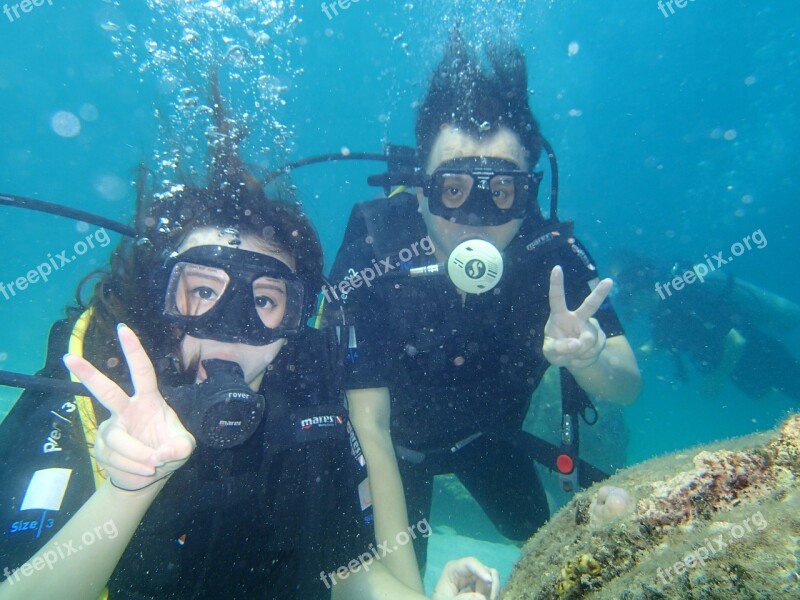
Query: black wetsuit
(697, 320)
(261, 520)
(456, 370)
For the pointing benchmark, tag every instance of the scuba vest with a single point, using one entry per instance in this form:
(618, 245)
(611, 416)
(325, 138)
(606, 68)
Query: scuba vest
(538, 242)
(279, 482)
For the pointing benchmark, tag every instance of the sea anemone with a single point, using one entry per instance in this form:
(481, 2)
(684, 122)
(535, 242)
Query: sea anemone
(610, 503)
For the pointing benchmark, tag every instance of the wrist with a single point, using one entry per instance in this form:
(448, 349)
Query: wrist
(154, 486)
(583, 364)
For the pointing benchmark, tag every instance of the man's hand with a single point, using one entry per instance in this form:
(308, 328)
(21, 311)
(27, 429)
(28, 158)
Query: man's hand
(143, 441)
(573, 339)
(467, 579)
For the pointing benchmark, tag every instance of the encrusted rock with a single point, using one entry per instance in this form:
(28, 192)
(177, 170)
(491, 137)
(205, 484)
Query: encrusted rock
(722, 521)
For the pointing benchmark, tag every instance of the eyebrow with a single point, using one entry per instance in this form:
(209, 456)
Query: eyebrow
(195, 271)
(269, 285)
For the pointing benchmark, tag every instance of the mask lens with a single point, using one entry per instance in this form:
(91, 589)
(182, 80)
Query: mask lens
(271, 299)
(455, 188)
(503, 189)
(194, 289)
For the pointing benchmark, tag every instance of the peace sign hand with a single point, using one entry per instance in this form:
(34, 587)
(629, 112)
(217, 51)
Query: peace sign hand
(143, 441)
(573, 339)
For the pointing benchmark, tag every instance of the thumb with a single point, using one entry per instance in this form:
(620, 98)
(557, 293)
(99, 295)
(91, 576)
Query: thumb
(178, 448)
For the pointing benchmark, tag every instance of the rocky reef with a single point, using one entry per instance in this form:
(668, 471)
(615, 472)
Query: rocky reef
(720, 521)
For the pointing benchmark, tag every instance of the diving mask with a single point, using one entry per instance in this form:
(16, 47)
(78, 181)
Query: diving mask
(481, 191)
(232, 295)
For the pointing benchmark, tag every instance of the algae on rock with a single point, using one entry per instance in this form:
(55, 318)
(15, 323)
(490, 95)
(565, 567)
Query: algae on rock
(720, 521)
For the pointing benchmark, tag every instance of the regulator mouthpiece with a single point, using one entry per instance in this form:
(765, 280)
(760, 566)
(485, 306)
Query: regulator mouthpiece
(222, 412)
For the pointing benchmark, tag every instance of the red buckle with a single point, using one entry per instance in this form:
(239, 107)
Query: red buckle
(565, 464)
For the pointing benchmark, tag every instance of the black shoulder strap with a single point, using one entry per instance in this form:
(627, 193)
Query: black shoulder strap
(388, 222)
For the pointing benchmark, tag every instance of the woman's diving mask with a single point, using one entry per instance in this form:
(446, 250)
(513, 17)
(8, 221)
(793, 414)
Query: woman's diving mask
(232, 295)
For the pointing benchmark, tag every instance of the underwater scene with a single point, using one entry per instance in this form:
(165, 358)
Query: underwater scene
(399, 299)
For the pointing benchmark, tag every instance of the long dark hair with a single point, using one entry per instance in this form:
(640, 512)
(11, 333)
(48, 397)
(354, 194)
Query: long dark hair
(129, 292)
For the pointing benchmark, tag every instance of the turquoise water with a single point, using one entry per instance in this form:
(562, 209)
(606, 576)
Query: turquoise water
(676, 136)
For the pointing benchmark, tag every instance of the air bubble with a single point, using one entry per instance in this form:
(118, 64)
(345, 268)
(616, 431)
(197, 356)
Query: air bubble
(237, 56)
(88, 112)
(65, 124)
(111, 187)
(190, 36)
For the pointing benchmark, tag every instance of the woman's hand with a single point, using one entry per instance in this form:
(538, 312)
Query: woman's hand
(573, 339)
(467, 579)
(143, 441)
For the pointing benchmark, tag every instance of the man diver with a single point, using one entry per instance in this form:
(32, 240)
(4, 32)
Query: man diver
(442, 368)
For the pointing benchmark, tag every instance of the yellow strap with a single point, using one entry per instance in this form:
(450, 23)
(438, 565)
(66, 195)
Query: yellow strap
(320, 311)
(85, 406)
(399, 189)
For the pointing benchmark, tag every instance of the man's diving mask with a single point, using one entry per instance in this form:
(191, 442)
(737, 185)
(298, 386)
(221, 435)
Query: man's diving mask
(481, 191)
(232, 295)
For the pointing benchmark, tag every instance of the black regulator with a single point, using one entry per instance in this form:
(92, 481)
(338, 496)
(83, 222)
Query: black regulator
(222, 412)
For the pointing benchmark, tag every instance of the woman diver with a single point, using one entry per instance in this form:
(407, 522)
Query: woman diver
(221, 467)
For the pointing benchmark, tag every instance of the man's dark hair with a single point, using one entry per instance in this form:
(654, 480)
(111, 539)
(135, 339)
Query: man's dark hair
(463, 95)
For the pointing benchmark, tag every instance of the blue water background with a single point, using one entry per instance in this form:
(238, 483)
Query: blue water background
(676, 137)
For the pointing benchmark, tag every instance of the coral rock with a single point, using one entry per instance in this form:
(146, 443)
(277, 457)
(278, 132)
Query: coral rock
(722, 521)
(718, 479)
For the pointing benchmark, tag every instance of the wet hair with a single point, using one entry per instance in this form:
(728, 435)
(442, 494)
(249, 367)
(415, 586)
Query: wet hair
(463, 95)
(130, 291)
